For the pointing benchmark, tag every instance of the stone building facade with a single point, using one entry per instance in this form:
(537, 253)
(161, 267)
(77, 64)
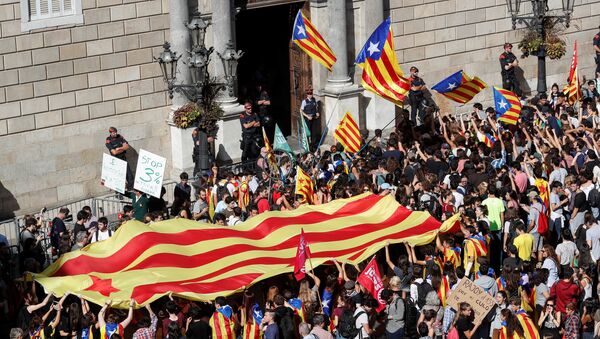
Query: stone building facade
(62, 87)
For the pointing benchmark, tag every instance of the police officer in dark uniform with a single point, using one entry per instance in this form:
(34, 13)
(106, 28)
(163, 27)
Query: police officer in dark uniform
(310, 111)
(250, 132)
(118, 146)
(508, 62)
(416, 97)
(597, 50)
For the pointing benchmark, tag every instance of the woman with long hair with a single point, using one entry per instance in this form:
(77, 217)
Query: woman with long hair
(511, 329)
(549, 321)
(73, 324)
(501, 304)
(251, 316)
(306, 294)
(463, 322)
(111, 325)
(550, 263)
(271, 293)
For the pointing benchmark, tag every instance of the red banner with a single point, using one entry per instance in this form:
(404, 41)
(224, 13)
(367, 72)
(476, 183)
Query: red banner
(371, 280)
(302, 254)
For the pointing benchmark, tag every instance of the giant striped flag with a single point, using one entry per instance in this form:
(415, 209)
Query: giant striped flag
(306, 36)
(381, 73)
(460, 87)
(347, 134)
(508, 106)
(305, 186)
(202, 261)
(573, 89)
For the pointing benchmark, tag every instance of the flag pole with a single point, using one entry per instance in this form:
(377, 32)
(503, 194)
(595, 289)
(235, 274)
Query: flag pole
(373, 137)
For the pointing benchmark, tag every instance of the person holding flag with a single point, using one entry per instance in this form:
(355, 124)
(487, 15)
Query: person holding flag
(252, 317)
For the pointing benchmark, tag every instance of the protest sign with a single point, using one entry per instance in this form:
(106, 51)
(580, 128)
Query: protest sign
(466, 291)
(114, 171)
(149, 173)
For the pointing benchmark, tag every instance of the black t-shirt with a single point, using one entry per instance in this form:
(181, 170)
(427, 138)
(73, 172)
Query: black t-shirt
(463, 325)
(394, 153)
(78, 228)
(245, 118)
(505, 59)
(112, 143)
(581, 202)
(597, 41)
(198, 330)
(437, 167)
(511, 262)
(58, 227)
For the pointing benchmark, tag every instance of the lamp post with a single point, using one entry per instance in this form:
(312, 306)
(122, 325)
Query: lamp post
(198, 63)
(539, 20)
(230, 58)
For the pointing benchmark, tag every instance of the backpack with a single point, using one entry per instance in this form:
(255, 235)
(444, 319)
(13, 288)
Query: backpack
(347, 325)
(594, 197)
(432, 206)
(542, 222)
(422, 290)
(411, 317)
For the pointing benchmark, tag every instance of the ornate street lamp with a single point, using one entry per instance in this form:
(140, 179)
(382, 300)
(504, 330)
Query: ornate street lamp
(167, 61)
(539, 21)
(197, 27)
(230, 58)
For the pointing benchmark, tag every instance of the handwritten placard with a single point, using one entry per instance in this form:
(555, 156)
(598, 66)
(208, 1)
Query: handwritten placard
(114, 172)
(466, 291)
(149, 173)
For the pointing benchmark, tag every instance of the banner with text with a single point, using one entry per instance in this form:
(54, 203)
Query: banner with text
(114, 172)
(466, 291)
(149, 173)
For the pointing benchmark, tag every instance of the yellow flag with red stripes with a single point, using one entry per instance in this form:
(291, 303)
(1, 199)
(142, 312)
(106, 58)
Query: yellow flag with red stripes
(200, 261)
(347, 134)
(305, 186)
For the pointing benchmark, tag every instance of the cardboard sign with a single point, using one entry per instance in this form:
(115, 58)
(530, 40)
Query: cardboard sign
(114, 172)
(466, 291)
(149, 173)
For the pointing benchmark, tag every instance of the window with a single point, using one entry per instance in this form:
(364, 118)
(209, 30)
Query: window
(49, 13)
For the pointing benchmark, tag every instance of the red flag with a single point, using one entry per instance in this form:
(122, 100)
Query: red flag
(302, 254)
(371, 280)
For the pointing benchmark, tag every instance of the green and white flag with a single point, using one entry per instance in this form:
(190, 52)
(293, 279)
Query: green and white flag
(280, 143)
(303, 136)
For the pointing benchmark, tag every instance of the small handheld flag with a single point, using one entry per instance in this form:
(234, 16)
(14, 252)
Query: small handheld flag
(280, 143)
(306, 36)
(381, 73)
(573, 90)
(302, 253)
(347, 134)
(460, 87)
(508, 106)
(304, 185)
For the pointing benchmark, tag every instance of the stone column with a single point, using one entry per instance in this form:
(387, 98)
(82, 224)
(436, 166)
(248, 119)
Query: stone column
(227, 146)
(182, 144)
(340, 94)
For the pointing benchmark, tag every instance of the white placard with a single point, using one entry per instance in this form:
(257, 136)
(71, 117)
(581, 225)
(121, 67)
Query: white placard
(114, 172)
(149, 173)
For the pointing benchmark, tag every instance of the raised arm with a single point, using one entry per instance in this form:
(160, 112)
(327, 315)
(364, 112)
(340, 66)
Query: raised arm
(314, 277)
(33, 308)
(101, 322)
(387, 256)
(127, 320)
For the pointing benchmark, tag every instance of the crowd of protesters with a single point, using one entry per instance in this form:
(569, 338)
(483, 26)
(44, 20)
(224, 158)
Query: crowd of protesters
(529, 236)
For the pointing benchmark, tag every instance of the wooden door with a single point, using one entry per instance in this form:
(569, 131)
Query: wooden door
(300, 73)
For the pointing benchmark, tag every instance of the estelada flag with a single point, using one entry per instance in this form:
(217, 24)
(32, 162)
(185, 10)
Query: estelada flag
(306, 36)
(347, 134)
(381, 73)
(302, 253)
(371, 280)
(460, 87)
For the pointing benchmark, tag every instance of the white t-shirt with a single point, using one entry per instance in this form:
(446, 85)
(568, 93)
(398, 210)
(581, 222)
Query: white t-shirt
(102, 235)
(360, 321)
(553, 271)
(567, 251)
(593, 235)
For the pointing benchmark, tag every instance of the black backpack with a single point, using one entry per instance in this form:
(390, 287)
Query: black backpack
(422, 290)
(411, 316)
(432, 206)
(347, 325)
(594, 197)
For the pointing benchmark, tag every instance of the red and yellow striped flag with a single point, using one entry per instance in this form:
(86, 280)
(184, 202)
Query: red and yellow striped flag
(573, 89)
(305, 186)
(347, 134)
(270, 156)
(199, 261)
(306, 36)
(529, 328)
(222, 327)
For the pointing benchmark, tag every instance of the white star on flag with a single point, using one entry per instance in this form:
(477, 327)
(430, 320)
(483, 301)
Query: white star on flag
(451, 86)
(373, 48)
(325, 303)
(502, 104)
(301, 30)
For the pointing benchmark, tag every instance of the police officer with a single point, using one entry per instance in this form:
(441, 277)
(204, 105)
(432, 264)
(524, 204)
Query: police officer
(597, 50)
(508, 62)
(310, 112)
(415, 97)
(250, 132)
(118, 146)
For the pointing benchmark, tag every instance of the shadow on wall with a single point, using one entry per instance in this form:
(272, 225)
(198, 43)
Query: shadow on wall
(8, 203)
(520, 75)
(132, 156)
(223, 158)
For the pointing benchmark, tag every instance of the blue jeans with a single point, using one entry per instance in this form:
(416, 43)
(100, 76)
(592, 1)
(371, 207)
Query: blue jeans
(399, 334)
